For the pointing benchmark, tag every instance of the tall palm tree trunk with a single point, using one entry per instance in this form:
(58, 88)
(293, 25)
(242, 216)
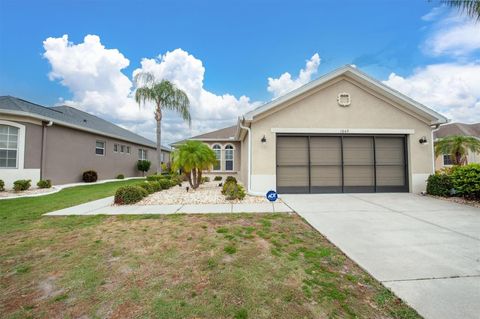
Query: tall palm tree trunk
(158, 117)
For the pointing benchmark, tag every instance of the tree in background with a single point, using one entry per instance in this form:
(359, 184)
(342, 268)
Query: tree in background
(457, 147)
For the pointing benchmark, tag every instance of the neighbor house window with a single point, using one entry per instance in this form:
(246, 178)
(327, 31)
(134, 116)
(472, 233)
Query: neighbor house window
(142, 154)
(128, 149)
(447, 159)
(100, 148)
(229, 158)
(218, 154)
(162, 157)
(8, 146)
(122, 149)
(115, 148)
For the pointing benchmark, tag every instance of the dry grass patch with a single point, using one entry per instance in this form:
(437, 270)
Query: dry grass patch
(184, 266)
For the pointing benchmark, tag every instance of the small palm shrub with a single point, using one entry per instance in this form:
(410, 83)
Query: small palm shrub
(89, 176)
(439, 185)
(2, 185)
(21, 185)
(44, 183)
(129, 195)
(120, 176)
(466, 181)
(217, 178)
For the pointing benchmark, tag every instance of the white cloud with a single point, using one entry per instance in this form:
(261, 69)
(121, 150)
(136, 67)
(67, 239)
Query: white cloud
(454, 35)
(452, 89)
(94, 75)
(284, 84)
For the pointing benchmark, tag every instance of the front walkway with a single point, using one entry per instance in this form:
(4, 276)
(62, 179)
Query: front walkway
(426, 250)
(104, 207)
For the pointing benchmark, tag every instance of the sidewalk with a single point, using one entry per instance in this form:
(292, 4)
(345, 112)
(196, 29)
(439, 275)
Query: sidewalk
(104, 207)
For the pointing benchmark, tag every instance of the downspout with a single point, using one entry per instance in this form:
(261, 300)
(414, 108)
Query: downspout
(249, 169)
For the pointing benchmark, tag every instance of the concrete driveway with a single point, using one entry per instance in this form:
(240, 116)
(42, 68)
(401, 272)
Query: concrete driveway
(426, 250)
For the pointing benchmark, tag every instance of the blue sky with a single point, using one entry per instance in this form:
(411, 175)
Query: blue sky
(240, 44)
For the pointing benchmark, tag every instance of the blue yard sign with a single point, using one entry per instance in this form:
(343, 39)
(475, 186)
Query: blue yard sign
(272, 196)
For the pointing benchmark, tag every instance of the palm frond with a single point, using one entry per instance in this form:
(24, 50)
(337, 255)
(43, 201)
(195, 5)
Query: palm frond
(469, 7)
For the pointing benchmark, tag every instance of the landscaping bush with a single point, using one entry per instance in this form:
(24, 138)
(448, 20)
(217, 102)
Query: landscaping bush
(217, 178)
(148, 187)
(177, 180)
(439, 185)
(129, 195)
(120, 176)
(466, 181)
(165, 183)
(230, 179)
(44, 183)
(143, 166)
(21, 185)
(205, 179)
(156, 186)
(235, 191)
(227, 184)
(2, 185)
(89, 176)
(156, 178)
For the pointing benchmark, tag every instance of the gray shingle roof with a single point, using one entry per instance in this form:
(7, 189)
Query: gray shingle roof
(75, 117)
(226, 133)
(458, 129)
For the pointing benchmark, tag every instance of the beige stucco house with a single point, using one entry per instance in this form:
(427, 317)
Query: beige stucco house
(60, 143)
(460, 129)
(344, 132)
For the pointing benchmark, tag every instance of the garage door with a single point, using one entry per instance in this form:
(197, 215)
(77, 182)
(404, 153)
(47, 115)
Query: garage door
(335, 164)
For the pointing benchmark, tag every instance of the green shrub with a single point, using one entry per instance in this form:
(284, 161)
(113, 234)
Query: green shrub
(205, 179)
(156, 178)
(217, 178)
(165, 183)
(227, 185)
(177, 180)
(2, 185)
(129, 195)
(120, 176)
(143, 165)
(148, 187)
(156, 186)
(466, 181)
(235, 191)
(44, 183)
(21, 185)
(230, 179)
(439, 185)
(89, 176)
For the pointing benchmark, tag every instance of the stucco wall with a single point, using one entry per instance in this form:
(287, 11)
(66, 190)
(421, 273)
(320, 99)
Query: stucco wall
(70, 152)
(320, 109)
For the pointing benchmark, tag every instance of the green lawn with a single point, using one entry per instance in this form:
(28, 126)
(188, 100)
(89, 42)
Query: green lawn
(177, 266)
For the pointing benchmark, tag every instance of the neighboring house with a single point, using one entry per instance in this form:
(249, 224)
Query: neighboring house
(60, 143)
(452, 129)
(226, 148)
(344, 132)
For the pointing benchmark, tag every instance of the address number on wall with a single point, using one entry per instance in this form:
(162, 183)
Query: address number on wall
(344, 130)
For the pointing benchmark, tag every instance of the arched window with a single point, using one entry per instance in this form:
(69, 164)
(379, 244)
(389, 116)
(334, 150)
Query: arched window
(8, 146)
(229, 157)
(218, 154)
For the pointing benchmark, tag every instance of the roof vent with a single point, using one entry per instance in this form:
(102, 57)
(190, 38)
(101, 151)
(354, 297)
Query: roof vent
(84, 120)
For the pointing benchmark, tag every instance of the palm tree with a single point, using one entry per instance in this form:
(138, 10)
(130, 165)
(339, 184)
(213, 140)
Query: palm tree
(470, 7)
(166, 96)
(192, 158)
(457, 147)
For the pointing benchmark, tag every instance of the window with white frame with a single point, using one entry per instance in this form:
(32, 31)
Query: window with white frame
(447, 159)
(8, 146)
(218, 154)
(100, 148)
(122, 148)
(128, 149)
(115, 148)
(142, 154)
(229, 157)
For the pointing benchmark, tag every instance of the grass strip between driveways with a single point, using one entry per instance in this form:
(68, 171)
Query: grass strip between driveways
(18, 213)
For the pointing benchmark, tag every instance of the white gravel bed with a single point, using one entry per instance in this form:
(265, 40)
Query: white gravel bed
(207, 193)
(33, 191)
